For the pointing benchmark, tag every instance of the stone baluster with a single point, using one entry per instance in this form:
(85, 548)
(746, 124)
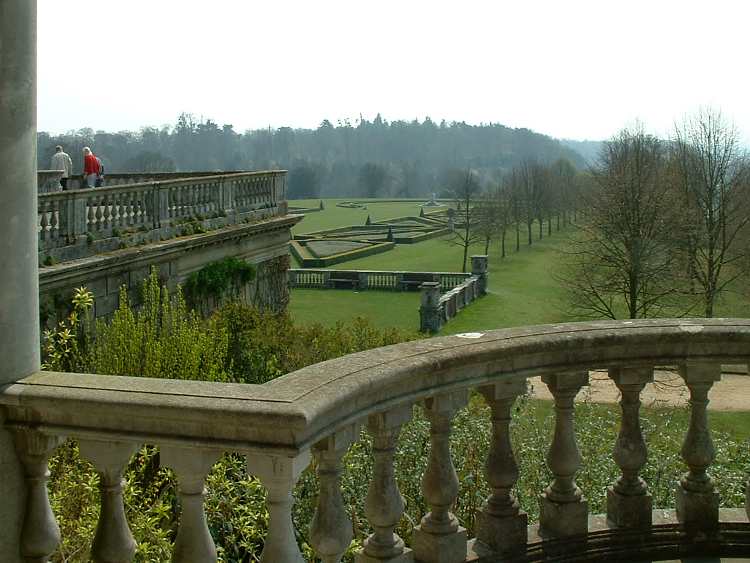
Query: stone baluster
(40, 534)
(99, 212)
(90, 214)
(194, 543)
(628, 501)
(44, 221)
(564, 511)
(697, 501)
(113, 542)
(279, 475)
(439, 538)
(384, 504)
(331, 529)
(501, 525)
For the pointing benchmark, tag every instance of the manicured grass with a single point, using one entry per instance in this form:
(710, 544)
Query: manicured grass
(383, 308)
(332, 216)
(521, 289)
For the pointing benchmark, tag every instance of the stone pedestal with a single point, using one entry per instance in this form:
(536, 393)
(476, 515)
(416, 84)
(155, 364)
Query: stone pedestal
(406, 556)
(437, 548)
(504, 536)
(697, 510)
(625, 511)
(562, 519)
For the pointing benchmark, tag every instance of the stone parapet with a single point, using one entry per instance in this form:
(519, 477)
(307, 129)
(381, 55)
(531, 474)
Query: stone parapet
(318, 409)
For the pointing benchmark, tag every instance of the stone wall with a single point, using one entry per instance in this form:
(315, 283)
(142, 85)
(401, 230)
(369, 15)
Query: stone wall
(264, 244)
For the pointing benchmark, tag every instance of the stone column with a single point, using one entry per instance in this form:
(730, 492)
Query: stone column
(429, 310)
(564, 511)
(384, 504)
(628, 501)
(19, 310)
(40, 535)
(479, 269)
(501, 525)
(331, 530)
(113, 542)
(697, 501)
(191, 465)
(440, 538)
(279, 475)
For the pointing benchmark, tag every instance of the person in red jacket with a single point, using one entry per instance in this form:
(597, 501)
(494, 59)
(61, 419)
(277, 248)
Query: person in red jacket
(90, 167)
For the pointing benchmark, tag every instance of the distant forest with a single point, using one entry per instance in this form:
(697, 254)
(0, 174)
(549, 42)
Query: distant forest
(369, 159)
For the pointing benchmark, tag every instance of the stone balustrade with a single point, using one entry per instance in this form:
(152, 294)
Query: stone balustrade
(48, 181)
(372, 279)
(76, 181)
(440, 306)
(317, 411)
(74, 218)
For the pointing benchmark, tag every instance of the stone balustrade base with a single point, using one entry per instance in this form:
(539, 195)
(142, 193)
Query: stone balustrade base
(503, 535)
(667, 539)
(697, 510)
(407, 556)
(629, 511)
(435, 548)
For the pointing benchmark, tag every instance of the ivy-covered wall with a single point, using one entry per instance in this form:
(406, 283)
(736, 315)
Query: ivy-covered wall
(269, 291)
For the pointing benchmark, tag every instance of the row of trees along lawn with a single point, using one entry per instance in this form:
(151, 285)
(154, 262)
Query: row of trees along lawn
(665, 227)
(522, 203)
(367, 159)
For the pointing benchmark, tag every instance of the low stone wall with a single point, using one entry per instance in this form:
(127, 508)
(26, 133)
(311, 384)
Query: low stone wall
(444, 294)
(372, 279)
(264, 244)
(436, 309)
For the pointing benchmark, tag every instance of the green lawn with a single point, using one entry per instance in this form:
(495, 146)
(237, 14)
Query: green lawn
(329, 306)
(332, 216)
(522, 289)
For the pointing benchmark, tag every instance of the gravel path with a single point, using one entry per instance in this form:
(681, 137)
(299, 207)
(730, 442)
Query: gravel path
(732, 393)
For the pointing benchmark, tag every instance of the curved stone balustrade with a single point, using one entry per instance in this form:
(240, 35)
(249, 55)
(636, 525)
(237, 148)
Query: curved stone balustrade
(317, 410)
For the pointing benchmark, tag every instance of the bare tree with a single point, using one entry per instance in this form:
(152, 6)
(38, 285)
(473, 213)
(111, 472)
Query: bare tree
(466, 232)
(711, 176)
(622, 261)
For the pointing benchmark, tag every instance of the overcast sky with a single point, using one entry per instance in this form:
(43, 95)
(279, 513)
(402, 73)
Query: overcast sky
(575, 69)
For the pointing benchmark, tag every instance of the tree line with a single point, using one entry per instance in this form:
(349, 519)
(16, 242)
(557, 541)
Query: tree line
(364, 159)
(530, 201)
(665, 227)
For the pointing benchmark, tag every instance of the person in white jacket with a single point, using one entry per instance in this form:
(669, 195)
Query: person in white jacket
(61, 161)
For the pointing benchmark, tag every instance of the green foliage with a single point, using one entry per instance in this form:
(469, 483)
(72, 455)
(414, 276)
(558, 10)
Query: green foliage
(263, 345)
(65, 346)
(163, 338)
(226, 277)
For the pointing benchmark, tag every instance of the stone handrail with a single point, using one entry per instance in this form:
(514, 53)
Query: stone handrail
(76, 182)
(317, 410)
(73, 216)
(372, 279)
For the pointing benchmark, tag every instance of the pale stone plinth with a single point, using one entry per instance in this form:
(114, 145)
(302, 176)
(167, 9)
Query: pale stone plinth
(628, 511)
(503, 535)
(697, 510)
(563, 519)
(439, 548)
(406, 556)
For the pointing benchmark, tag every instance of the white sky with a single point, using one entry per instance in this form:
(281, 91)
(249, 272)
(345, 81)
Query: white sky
(577, 68)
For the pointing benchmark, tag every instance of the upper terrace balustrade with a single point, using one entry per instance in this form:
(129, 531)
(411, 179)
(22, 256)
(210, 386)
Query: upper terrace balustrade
(153, 208)
(317, 412)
